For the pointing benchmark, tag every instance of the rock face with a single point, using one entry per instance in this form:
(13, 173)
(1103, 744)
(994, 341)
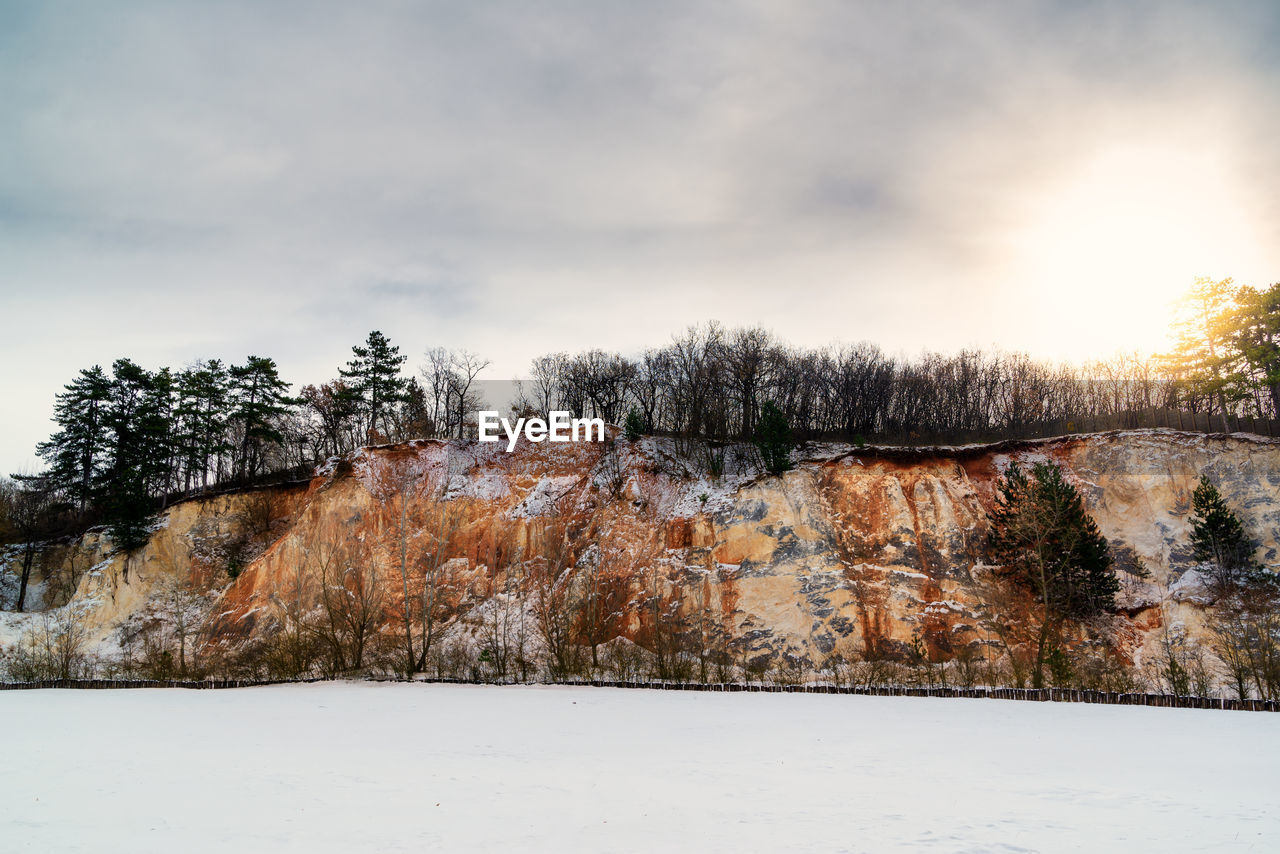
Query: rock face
(854, 549)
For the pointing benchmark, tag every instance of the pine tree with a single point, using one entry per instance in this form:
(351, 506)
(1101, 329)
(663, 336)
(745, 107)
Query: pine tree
(258, 398)
(634, 425)
(1219, 538)
(374, 378)
(1045, 541)
(1209, 365)
(773, 438)
(201, 420)
(1255, 329)
(414, 416)
(160, 408)
(139, 427)
(75, 452)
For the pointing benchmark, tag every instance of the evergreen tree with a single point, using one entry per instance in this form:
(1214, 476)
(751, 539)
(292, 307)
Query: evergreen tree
(258, 399)
(160, 408)
(773, 438)
(1255, 328)
(414, 419)
(1209, 366)
(1044, 541)
(374, 379)
(138, 426)
(634, 425)
(1219, 538)
(75, 452)
(201, 421)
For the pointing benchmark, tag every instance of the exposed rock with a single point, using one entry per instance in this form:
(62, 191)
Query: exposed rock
(854, 547)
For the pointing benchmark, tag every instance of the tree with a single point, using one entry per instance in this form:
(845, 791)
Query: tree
(634, 425)
(28, 501)
(258, 399)
(76, 450)
(602, 602)
(8, 495)
(1245, 626)
(201, 420)
(413, 419)
(295, 642)
(53, 648)
(773, 438)
(1218, 537)
(441, 598)
(184, 609)
(464, 367)
(351, 597)
(139, 432)
(400, 491)
(1045, 542)
(1244, 620)
(1255, 329)
(1208, 364)
(555, 603)
(748, 361)
(374, 380)
(333, 405)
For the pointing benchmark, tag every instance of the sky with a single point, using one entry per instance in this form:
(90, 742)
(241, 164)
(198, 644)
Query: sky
(195, 180)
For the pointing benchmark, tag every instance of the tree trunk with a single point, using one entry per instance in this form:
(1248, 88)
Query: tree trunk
(28, 558)
(1037, 678)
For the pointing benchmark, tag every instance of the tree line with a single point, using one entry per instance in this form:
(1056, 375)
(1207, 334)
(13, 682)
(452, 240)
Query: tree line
(712, 382)
(127, 438)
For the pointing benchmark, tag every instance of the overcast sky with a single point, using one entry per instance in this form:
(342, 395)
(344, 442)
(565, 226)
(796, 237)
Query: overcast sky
(216, 179)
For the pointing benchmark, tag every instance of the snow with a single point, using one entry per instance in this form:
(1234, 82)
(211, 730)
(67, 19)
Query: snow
(398, 767)
(1192, 586)
(543, 499)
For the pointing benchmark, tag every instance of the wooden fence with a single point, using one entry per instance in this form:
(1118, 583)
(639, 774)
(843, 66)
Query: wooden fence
(1037, 695)
(1137, 419)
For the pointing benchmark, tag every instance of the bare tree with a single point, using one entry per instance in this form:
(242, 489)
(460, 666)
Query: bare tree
(30, 502)
(450, 377)
(1245, 623)
(399, 489)
(185, 609)
(55, 647)
(441, 597)
(553, 602)
(293, 646)
(351, 597)
(602, 605)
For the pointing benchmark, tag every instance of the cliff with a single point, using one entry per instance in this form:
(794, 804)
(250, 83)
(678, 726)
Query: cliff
(855, 549)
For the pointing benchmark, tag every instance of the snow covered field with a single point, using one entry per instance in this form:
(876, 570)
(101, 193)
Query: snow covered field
(394, 767)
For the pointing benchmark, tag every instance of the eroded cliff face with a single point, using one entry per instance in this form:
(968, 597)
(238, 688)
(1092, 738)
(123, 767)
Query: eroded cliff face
(854, 549)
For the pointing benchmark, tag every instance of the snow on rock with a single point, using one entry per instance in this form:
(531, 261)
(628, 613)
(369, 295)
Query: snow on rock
(849, 548)
(1192, 586)
(544, 498)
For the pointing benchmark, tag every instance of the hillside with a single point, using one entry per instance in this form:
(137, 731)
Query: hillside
(855, 550)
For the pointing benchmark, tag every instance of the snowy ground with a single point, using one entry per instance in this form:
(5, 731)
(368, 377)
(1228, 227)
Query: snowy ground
(386, 767)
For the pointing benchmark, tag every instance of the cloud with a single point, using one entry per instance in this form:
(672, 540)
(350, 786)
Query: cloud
(452, 299)
(282, 178)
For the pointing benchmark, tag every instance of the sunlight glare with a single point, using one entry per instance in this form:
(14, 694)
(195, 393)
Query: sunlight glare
(1105, 253)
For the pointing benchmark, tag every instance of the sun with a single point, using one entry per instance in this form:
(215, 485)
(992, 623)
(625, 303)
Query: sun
(1105, 250)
